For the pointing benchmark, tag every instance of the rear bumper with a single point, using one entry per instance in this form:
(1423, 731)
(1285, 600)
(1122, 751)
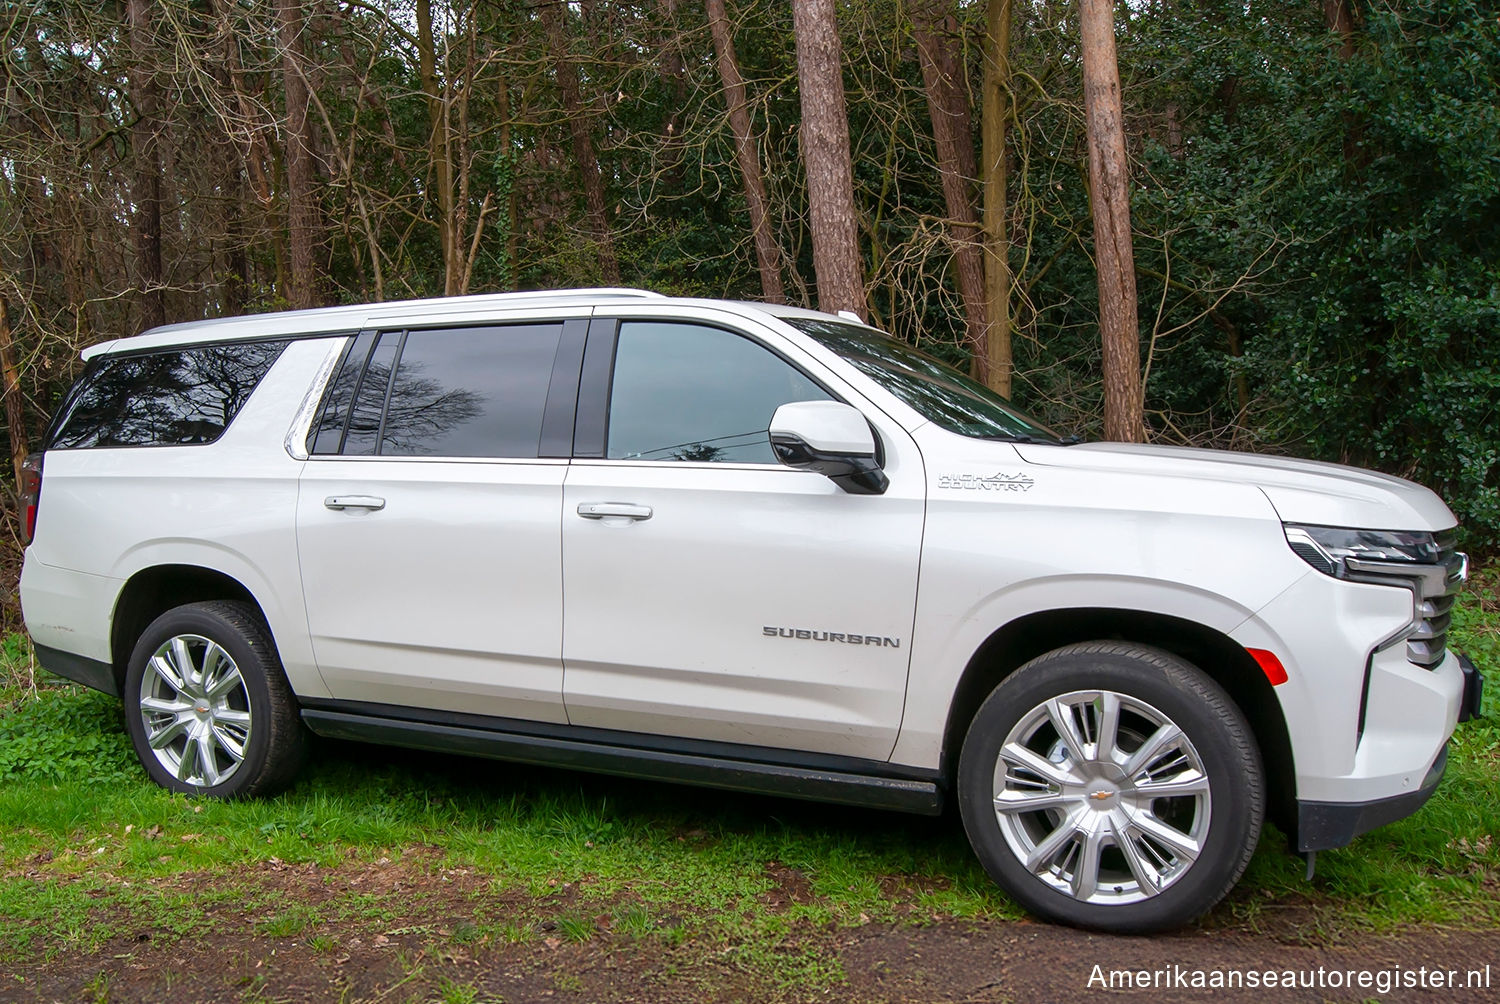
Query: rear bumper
(67, 611)
(1322, 826)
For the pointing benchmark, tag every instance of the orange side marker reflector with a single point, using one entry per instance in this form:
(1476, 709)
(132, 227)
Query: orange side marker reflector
(1269, 665)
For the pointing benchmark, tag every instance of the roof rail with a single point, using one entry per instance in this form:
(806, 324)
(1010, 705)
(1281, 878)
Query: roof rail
(559, 293)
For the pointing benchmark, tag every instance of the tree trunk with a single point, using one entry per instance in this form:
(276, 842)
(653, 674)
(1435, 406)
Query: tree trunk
(1338, 15)
(1339, 18)
(767, 253)
(255, 152)
(237, 262)
(438, 148)
(583, 143)
(466, 164)
(1109, 189)
(302, 207)
(936, 31)
(510, 210)
(825, 155)
(1236, 351)
(10, 373)
(145, 188)
(674, 77)
(994, 121)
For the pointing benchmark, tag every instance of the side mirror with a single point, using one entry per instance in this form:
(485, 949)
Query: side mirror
(832, 439)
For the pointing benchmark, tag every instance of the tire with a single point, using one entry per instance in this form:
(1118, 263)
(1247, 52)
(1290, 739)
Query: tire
(206, 685)
(1076, 829)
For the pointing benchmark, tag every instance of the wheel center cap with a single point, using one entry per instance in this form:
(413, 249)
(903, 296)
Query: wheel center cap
(1101, 795)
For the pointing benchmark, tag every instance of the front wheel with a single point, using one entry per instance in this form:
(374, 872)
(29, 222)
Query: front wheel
(208, 706)
(1112, 786)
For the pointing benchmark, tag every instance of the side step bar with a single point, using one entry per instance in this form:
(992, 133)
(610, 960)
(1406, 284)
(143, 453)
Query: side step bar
(840, 787)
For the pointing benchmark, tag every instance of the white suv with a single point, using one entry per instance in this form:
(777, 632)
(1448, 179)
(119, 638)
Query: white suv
(745, 546)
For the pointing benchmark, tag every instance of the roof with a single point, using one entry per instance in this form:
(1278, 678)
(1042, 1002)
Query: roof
(353, 317)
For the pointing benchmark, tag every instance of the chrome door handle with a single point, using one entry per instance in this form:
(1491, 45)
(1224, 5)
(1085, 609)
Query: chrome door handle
(353, 502)
(623, 510)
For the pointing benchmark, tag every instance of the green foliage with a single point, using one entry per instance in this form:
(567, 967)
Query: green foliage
(1372, 184)
(72, 735)
(1385, 353)
(18, 670)
(1476, 632)
(504, 183)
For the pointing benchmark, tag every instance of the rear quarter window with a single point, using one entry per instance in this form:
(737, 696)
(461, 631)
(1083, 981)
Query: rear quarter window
(179, 397)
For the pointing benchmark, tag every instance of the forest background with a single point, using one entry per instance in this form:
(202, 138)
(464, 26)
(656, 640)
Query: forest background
(1313, 193)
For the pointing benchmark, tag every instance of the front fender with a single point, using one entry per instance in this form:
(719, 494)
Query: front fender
(957, 636)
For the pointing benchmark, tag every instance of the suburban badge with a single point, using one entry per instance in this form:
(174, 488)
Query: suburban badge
(806, 634)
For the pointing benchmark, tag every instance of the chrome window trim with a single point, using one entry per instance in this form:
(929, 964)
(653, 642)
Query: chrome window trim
(296, 437)
(409, 459)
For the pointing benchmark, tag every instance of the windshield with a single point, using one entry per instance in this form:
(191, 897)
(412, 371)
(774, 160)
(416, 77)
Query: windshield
(936, 390)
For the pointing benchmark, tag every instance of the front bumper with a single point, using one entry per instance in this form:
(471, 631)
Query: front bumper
(1469, 707)
(1322, 826)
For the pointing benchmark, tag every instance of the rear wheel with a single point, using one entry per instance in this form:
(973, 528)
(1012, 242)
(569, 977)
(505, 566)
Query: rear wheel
(1112, 786)
(208, 707)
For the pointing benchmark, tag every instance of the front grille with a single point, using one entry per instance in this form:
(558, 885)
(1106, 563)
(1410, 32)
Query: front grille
(1428, 642)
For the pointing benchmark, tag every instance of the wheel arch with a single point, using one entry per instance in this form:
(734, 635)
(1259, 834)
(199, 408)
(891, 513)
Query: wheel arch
(1221, 658)
(151, 592)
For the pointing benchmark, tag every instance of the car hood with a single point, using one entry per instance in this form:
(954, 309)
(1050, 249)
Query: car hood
(1302, 491)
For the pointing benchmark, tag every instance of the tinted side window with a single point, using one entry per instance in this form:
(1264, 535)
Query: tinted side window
(684, 392)
(469, 392)
(328, 434)
(369, 400)
(173, 398)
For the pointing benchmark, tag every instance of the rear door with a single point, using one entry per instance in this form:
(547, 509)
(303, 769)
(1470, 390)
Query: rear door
(427, 521)
(712, 593)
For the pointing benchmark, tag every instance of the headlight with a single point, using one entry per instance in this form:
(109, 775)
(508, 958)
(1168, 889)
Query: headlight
(1329, 548)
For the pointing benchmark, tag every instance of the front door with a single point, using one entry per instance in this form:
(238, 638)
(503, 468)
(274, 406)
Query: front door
(710, 592)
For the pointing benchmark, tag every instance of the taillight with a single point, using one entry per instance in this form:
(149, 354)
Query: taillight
(31, 494)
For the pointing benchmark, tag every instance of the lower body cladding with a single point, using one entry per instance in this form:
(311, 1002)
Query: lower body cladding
(818, 777)
(1324, 826)
(93, 673)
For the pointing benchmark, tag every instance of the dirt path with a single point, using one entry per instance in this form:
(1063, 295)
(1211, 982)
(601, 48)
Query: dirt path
(424, 951)
(1033, 962)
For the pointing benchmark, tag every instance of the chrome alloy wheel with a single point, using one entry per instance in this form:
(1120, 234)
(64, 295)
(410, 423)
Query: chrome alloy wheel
(1102, 797)
(196, 710)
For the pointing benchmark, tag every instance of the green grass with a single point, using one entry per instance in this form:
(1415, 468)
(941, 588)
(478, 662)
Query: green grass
(295, 919)
(89, 849)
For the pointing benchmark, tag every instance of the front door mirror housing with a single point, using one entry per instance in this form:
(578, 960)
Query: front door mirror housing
(832, 438)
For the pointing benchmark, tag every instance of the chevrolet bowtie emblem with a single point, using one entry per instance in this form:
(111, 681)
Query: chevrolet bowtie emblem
(1100, 796)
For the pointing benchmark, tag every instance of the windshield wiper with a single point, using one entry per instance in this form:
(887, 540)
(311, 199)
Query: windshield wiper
(1026, 438)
